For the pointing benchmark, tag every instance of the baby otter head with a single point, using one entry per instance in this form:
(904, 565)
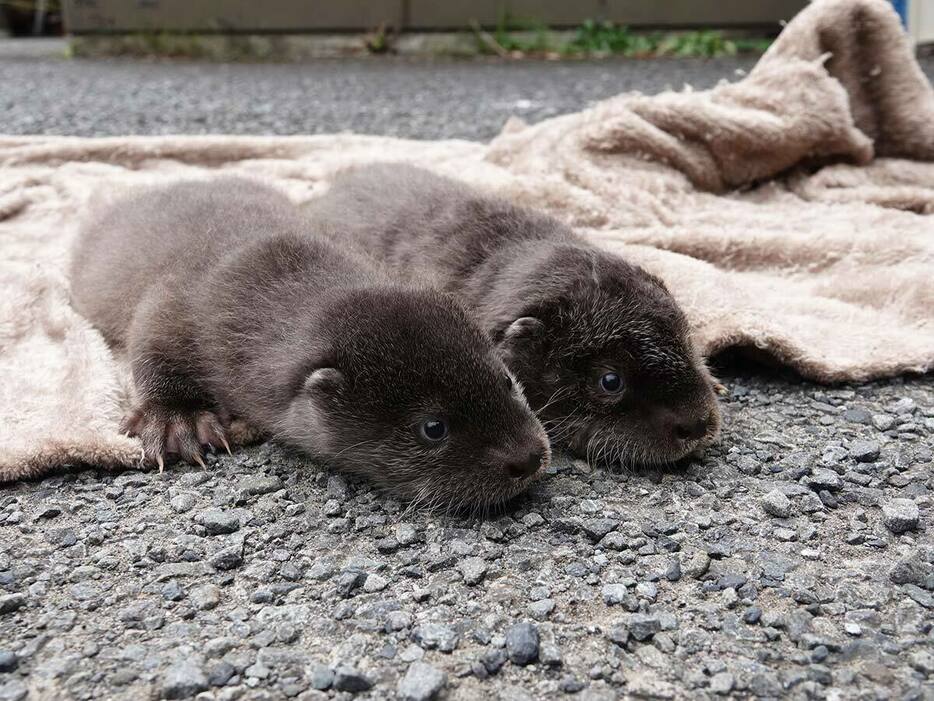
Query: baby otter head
(408, 391)
(605, 356)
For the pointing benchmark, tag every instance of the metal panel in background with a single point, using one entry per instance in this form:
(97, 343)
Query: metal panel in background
(123, 16)
(698, 13)
(457, 14)
(92, 16)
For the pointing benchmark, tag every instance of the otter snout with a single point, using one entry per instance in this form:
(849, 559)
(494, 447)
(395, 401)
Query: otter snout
(525, 466)
(525, 460)
(691, 428)
(689, 424)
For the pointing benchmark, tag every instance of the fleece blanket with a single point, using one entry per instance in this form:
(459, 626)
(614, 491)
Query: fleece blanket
(790, 212)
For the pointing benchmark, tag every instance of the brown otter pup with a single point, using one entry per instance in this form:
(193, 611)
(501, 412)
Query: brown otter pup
(228, 307)
(600, 346)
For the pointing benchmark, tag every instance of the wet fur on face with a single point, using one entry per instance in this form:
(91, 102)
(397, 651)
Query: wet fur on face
(562, 312)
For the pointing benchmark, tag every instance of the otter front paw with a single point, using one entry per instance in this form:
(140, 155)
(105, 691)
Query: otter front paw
(165, 432)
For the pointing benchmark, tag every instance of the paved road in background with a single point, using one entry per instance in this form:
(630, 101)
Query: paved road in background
(428, 100)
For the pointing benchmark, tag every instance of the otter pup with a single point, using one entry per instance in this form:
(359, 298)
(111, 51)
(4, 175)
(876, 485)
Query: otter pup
(602, 350)
(227, 306)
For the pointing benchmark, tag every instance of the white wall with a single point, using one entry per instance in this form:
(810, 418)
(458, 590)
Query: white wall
(921, 20)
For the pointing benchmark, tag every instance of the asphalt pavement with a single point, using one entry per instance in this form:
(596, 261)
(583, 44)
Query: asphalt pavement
(390, 96)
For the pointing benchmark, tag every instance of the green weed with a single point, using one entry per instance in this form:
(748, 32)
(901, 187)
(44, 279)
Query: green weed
(594, 38)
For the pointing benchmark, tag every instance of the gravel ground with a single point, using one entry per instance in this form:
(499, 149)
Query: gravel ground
(794, 559)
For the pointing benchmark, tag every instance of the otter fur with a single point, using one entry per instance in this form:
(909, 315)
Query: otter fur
(602, 349)
(228, 305)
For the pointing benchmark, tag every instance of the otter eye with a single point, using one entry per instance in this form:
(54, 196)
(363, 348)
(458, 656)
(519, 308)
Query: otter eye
(433, 430)
(508, 383)
(611, 383)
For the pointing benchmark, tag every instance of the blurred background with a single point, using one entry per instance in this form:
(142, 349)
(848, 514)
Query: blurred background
(414, 68)
(609, 26)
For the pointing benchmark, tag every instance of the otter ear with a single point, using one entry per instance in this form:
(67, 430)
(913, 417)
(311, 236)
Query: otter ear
(520, 339)
(324, 381)
(524, 327)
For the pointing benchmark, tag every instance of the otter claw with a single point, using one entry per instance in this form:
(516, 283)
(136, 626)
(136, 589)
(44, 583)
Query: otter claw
(226, 446)
(166, 433)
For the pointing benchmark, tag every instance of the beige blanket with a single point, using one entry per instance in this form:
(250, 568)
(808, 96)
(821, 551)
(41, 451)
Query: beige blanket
(792, 212)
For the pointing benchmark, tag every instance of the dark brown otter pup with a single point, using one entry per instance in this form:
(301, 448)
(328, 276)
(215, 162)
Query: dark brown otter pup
(228, 307)
(601, 348)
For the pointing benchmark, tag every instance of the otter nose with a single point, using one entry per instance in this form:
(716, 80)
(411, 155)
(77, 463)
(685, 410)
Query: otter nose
(526, 465)
(688, 429)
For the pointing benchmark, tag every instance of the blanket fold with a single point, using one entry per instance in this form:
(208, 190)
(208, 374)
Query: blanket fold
(791, 212)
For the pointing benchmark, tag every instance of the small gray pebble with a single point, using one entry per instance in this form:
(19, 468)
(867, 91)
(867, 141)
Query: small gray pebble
(11, 602)
(228, 558)
(614, 593)
(864, 451)
(260, 484)
(432, 636)
(597, 528)
(219, 521)
(221, 673)
(374, 583)
(673, 573)
(901, 515)
(172, 591)
(493, 660)
(205, 597)
(321, 677)
(181, 503)
(618, 634)
(183, 680)
(13, 690)
(473, 569)
(550, 655)
(540, 610)
(643, 626)
(522, 643)
(905, 405)
(822, 479)
(857, 415)
(421, 682)
(349, 679)
(647, 590)
(398, 620)
(776, 504)
(883, 422)
(571, 685)
(406, 534)
(696, 566)
(8, 661)
(722, 683)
